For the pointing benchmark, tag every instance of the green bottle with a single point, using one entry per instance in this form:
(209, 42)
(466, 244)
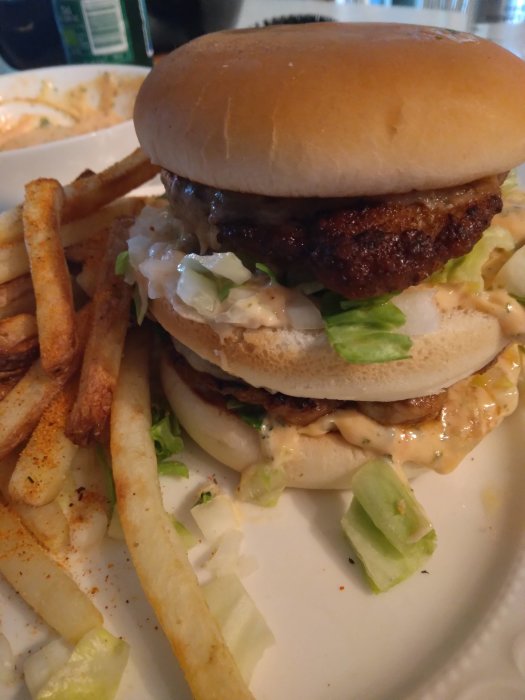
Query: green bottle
(104, 31)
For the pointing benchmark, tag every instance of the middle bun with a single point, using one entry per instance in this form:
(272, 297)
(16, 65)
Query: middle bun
(303, 364)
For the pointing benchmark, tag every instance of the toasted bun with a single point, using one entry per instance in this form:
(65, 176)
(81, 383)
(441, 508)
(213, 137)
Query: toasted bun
(333, 109)
(302, 363)
(327, 459)
(315, 463)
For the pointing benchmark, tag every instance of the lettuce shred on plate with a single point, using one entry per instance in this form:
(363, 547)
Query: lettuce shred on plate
(90, 671)
(387, 527)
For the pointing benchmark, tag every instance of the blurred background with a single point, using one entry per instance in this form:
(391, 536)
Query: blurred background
(36, 33)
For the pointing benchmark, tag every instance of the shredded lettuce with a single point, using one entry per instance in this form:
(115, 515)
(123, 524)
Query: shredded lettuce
(511, 275)
(387, 527)
(263, 483)
(383, 564)
(92, 671)
(189, 540)
(123, 267)
(468, 268)
(245, 631)
(391, 505)
(363, 331)
(267, 271)
(251, 414)
(140, 303)
(510, 185)
(171, 467)
(122, 263)
(204, 497)
(166, 435)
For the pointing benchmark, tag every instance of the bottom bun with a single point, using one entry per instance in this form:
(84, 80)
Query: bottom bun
(317, 456)
(316, 463)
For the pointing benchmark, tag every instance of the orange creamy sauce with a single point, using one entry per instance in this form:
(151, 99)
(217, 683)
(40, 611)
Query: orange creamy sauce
(82, 109)
(473, 408)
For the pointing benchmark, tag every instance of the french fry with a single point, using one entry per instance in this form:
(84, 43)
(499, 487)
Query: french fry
(45, 460)
(51, 282)
(6, 385)
(18, 341)
(7, 375)
(100, 366)
(88, 506)
(87, 278)
(87, 194)
(90, 193)
(47, 523)
(42, 582)
(16, 330)
(16, 295)
(11, 228)
(74, 235)
(23, 305)
(21, 409)
(14, 262)
(14, 289)
(158, 554)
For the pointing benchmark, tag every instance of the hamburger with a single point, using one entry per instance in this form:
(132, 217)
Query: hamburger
(334, 266)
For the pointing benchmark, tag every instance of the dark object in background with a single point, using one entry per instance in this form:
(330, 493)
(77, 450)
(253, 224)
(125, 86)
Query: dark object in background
(104, 32)
(29, 36)
(38, 33)
(174, 22)
(296, 19)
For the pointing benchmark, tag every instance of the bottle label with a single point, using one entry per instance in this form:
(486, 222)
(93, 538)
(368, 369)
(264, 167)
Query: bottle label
(105, 26)
(112, 31)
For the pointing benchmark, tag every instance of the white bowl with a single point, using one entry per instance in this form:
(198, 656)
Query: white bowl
(67, 158)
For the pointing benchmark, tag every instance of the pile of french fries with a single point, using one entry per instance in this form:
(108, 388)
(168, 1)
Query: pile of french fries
(74, 380)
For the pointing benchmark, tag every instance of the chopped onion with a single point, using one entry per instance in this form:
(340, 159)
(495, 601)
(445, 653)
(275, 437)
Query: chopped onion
(39, 667)
(198, 291)
(420, 309)
(7, 662)
(226, 555)
(303, 314)
(511, 276)
(225, 265)
(215, 517)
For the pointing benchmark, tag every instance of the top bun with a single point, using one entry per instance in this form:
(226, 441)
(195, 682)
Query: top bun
(334, 109)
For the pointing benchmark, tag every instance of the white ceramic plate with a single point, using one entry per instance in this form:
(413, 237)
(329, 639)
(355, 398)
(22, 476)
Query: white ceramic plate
(454, 633)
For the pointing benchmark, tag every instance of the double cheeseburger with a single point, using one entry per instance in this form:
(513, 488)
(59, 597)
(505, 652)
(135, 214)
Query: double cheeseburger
(328, 269)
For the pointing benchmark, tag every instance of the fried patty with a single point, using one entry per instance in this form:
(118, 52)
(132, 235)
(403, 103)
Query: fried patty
(358, 247)
(302, 411)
